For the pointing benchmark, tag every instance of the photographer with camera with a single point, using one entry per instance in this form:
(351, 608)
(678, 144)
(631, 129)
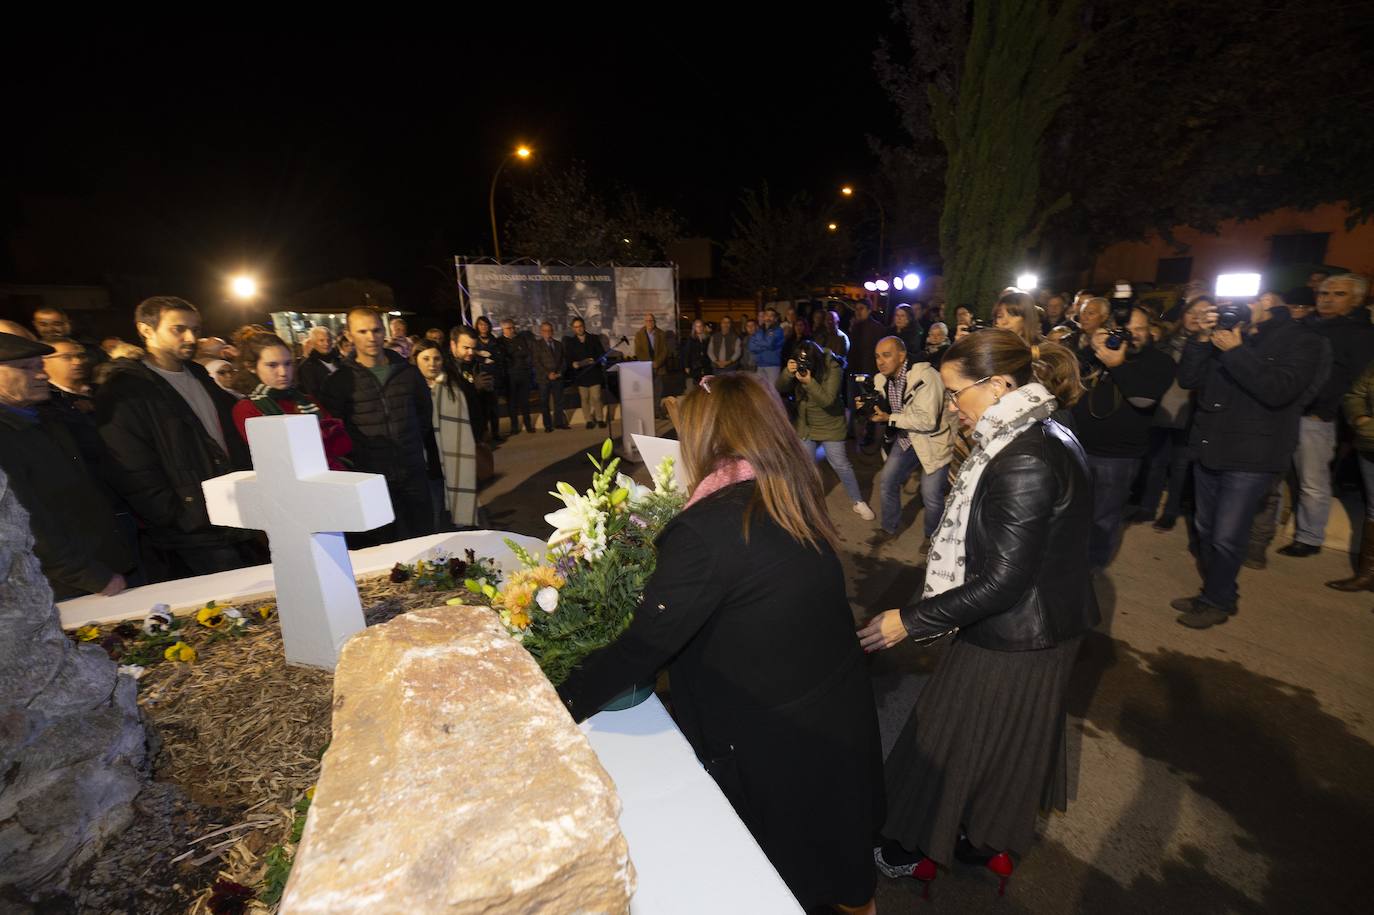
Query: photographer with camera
(1344, 322)
(814, 378)
(1250, 377)
(908, 398)
(1126, 377)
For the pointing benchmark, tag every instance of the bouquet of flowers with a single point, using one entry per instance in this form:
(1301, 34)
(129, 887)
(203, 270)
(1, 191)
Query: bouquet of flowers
(582, 595)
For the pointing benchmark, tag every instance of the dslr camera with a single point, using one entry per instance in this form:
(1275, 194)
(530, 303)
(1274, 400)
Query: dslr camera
(1231, 315)
(869, 397)
(803, 358)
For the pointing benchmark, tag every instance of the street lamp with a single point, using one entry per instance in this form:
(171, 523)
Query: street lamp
(1027, 282)
(848, 191)
(832, 226)
(243, 287)
(521, 152)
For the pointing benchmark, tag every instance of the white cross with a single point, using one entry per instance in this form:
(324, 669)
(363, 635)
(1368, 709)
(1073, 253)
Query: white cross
(302, 505)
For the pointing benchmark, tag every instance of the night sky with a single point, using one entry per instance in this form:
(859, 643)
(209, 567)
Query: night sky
(175, 160)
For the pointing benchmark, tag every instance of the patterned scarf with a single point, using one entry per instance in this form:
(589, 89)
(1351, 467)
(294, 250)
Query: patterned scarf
(728, 472)
(265, 399)
(1015, 412)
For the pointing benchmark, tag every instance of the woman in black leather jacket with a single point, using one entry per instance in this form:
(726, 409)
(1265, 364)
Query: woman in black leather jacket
(1008, 576)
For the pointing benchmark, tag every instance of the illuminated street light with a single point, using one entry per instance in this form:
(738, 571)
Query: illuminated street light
(848, 191)
(882, 285)
(911, 280)
(1027, 281)
(243, 287)
(832, 226)
(871, 286)
(897, 282)
(523, 153)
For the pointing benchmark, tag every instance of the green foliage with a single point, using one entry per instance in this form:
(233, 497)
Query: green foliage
(1018, 63)
(275, 877)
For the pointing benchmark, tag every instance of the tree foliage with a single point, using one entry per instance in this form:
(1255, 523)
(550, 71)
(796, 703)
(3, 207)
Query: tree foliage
(782, 250)
(560, 215)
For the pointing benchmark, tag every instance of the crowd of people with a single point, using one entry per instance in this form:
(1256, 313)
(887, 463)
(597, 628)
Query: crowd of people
(1037, 438)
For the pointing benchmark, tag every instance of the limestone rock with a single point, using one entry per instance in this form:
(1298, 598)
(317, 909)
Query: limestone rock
(456, 782)
(73, 751)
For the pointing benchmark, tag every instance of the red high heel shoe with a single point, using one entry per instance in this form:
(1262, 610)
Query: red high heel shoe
(924, 870)
(1000, 863)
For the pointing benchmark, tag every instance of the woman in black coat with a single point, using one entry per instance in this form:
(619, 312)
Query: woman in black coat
(747, 608)
(1008, 575)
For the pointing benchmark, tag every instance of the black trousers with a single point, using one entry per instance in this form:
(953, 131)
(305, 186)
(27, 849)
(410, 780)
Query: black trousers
(551, 395)
(518, 402)
(414, 508)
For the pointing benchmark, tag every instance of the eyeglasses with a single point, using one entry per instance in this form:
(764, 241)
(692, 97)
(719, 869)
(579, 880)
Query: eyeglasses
(952, 397)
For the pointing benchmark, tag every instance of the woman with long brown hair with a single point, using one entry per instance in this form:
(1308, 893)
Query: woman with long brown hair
(269, 362)
(1008, 576)
(1017, 312)
(747, 608)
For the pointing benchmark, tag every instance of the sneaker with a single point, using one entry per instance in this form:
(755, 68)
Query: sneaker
(863, 511)
(1299, 550)
(923, 869)
(1204, 617)
(1186, 604)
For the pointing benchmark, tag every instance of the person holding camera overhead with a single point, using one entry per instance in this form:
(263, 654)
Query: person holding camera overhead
(1251, 368)
(1126, 377)
(814, 377)
(907, 398)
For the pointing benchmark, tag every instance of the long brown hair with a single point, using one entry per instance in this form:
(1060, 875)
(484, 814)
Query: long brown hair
(1022, 304)
(742, 417)
(994, 351)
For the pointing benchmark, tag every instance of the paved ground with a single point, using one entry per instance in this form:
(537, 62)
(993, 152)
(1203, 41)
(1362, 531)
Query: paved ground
(1230, 770)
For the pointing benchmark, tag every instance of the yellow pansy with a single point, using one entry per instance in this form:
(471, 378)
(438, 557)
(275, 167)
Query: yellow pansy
(210, 616)
(88, 633)
(180, 652)
(266, 610)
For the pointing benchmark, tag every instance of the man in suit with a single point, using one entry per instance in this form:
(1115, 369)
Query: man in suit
(651, 345)
(549, 365)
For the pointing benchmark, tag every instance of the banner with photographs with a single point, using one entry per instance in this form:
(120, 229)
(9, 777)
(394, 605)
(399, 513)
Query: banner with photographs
(611, 300)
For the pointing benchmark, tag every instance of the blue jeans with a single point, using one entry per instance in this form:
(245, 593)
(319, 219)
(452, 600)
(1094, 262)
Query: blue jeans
(838, 457)
(1112, 479)
(1312, 460)
(1169, 462)
(1227, 501)
(900, 464)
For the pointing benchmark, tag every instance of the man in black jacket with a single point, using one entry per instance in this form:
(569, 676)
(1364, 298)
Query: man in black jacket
(1342, 319)
(1250, 382)
(385, 406)
(550, 363)
(583, 352)
(1113, 422)
(519, 374)
(75, 535)
(167, 427)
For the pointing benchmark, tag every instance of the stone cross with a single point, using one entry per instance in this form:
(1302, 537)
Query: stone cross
(303, 505)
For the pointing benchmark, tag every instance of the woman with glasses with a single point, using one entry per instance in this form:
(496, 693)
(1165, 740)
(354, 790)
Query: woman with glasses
(1008, 576)
(747, 610)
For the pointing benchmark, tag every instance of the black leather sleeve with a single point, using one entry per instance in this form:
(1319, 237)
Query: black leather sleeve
(1013, 520)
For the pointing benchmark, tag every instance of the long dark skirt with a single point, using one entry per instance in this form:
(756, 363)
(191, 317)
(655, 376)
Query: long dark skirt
(983, 750)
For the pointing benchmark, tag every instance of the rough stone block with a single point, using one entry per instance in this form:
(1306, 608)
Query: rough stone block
(456, 782)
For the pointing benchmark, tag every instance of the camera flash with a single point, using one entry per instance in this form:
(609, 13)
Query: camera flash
(1238, 285)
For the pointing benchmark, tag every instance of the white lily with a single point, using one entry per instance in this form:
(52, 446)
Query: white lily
(638, 494)
(576, 520)
(547, 599)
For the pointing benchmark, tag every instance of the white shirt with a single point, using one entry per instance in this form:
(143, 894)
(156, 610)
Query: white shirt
(197, 398)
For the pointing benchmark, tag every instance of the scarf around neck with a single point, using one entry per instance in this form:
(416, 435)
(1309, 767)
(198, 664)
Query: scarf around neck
(1013, 414)
(263, 393)
(728, 472)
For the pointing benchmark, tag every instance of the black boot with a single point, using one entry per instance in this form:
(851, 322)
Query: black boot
(1363, 579)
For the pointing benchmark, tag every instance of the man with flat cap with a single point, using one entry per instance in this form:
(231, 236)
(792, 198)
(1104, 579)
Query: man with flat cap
(75, 535)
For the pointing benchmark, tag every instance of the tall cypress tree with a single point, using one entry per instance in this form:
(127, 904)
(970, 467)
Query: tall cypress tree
(990, 109)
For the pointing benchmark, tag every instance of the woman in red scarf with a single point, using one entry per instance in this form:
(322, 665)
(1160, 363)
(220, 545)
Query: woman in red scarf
(271, 361)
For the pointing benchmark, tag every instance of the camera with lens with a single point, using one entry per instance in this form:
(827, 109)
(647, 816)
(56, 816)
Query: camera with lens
(1231, 315)
(803, 357)
(869, 398)
(1116, 338)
